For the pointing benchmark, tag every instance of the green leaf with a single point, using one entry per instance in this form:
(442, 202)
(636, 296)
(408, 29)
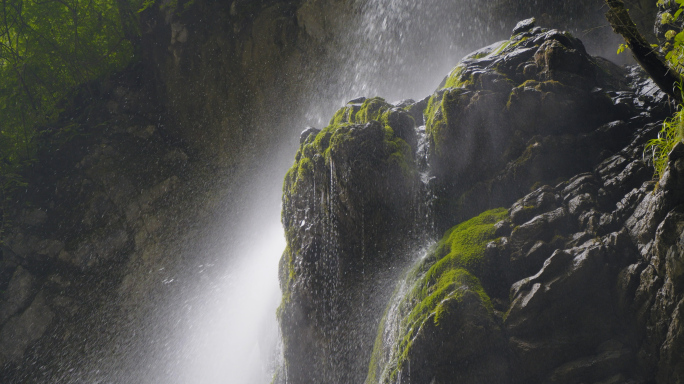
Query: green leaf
(679, 38)
(146, 4)
(621, 48)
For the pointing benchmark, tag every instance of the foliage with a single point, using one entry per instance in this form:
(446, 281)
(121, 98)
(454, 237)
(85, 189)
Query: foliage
(673, 47)
(673, 129)
(49, 50)
(670, 134)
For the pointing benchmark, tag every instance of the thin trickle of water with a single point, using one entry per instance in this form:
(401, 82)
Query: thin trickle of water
(426, 197)
(391, 325)
(330, 267)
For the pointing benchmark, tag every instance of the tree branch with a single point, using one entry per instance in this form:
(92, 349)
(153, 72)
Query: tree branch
(666, 78)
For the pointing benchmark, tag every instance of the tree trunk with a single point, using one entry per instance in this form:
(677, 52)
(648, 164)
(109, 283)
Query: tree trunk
(666, 78)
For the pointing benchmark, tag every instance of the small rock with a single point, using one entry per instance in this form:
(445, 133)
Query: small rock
(404, 103)
(142, 132)
(176, 156)
(20, 331)
(677, 152)
(49, 248)
(524, 25)
(593, 368)
(306, 133)
(502, 228)
(580, 203)
(34, 217)
(358, 100)
(18, 293)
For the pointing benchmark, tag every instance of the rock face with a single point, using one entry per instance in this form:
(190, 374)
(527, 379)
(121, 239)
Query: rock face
(131, 178)
(91, 238)
(579, 281)
(441, 322)
(584, 298)
(580, 17)
(349, 181)
(520, 112)
(585, 315)
(227, 72)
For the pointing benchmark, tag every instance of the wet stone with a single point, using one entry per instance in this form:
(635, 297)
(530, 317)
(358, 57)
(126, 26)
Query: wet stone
(524, 25)
(358, 100)
(306, 133)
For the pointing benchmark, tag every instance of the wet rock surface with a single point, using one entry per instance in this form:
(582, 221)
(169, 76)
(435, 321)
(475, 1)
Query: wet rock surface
(580, 280)
(594, 283)
(592, 288)
(350, 209)
(531, 110)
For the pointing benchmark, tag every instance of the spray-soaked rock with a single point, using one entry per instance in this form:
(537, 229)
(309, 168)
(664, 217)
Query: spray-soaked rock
(579, 281)
(21, 330)
(590, 300)
(441, 323)
(529, 110)
(350, 209)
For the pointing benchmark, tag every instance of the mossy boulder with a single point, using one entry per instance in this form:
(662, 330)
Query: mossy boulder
(531, 109)
(441, 323)
(349, 212)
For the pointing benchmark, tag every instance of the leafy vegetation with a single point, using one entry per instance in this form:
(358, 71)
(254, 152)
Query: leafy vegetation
(49, 50)
(673, 129)
(658, 149)
(673, 47)
(664, 63)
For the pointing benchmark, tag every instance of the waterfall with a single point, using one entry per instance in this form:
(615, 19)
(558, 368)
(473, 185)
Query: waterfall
(235, 338)
(395, 49)
(416, 42)
(225, 330)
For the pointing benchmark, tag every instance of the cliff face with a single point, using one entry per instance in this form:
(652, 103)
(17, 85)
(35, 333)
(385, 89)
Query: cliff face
(136, 175)
(576, 281)
(228, 73)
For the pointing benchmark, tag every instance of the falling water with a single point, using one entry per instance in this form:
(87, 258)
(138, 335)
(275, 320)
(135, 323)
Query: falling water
(235, 338)
(398, 49)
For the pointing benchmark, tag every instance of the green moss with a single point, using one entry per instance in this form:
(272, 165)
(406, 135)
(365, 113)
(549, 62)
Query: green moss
(338, 135)
(464, 244)
(322, 140)
(372, 109)
(341, 116)
(544, 86)
(503, 46)
(451, 283)
(458, 79)
(443, 278)
(444, 108)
